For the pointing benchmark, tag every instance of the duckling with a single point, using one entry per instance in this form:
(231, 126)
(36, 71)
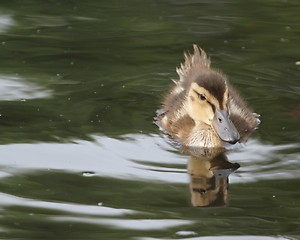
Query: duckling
(202, 109)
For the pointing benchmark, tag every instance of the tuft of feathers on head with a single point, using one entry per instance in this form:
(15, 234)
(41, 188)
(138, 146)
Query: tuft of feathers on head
(195, 60)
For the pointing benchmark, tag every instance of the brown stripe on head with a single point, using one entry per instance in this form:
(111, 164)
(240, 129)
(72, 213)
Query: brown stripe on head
(215, 84)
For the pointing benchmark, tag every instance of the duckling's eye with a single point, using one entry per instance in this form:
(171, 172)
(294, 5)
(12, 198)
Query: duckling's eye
(202, 97)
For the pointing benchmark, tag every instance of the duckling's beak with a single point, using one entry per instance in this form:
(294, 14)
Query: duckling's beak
(224, 127)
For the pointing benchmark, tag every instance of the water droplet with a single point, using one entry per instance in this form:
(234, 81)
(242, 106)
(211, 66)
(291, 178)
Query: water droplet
(100, 204)
(23, 100)
(297, 63)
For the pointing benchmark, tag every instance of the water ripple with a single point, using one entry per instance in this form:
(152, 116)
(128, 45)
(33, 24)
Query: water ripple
(138, 224)
(143, 157)
(9, 200)
(226, 238)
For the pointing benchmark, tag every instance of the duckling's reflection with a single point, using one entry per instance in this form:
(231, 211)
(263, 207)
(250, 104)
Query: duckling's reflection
(209, 170)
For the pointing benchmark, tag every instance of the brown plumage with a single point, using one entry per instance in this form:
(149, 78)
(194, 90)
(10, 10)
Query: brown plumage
(202, 109)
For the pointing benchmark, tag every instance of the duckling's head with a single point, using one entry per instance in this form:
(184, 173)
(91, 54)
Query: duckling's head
(207, 102)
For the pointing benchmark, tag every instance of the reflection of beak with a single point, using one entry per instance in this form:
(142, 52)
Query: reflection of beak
(224, 127)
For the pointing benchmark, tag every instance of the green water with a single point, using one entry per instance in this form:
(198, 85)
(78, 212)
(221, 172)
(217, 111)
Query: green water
(80, 81)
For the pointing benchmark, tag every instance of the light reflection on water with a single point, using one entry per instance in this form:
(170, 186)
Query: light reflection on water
(129, 224)
(135, 157)
(226, 238)
(143, 157)
(6, 21)
(8, 200)
(16, 88)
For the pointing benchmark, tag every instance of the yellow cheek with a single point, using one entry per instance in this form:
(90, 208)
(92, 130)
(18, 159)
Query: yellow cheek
(203, 112)
(209, 115)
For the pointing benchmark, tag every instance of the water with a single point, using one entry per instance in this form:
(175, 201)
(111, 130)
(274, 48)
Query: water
(79, 86)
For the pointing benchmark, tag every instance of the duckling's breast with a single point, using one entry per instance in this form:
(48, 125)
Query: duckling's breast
(203, 135)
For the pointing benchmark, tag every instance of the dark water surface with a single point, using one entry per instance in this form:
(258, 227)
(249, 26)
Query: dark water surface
(79, 85)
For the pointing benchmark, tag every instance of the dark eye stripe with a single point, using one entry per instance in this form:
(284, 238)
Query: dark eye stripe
(212, 106)
(200, 97)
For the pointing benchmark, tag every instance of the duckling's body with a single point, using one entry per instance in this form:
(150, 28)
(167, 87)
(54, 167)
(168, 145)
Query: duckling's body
(202, 109)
